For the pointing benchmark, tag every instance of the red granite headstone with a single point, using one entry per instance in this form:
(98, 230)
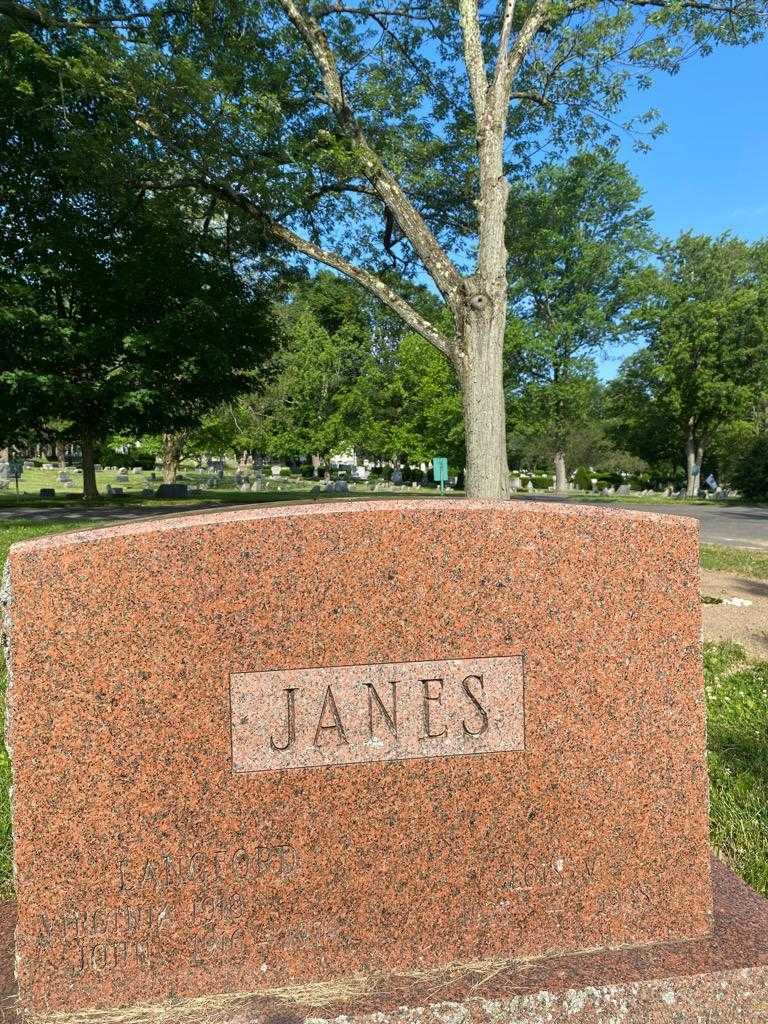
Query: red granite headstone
(275, 746)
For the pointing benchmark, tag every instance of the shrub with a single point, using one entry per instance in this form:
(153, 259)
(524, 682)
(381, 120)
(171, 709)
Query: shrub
(751, 472)
(307, 472)
(542, 482)
(285, 471)
(583, 478)
(640, 483)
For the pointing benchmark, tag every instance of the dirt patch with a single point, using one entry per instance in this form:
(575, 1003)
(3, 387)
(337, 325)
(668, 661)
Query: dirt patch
(747, 626)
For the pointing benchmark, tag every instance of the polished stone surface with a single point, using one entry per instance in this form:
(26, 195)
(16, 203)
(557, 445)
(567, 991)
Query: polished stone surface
(148, 868)
(320, 717)
(719, 979)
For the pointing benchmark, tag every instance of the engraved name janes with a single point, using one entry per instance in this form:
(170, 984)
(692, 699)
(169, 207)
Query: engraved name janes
(310, 718)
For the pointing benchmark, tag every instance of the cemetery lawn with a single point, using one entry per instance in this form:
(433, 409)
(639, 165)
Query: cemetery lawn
(741, 561)
(737, 710)
(737, 707)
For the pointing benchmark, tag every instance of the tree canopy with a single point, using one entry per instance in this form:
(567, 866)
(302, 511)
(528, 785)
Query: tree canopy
(706, 359)
(372, 137)
(120, 309)
(578, 242)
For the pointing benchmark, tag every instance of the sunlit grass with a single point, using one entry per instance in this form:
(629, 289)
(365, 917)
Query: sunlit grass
(743, 561)
(737, 704)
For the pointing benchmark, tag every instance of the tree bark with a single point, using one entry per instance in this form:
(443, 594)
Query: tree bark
(90, 490)
(480, 368)
(173, 450)
(61, 454)
(482, 315)
(694, 453)
(561, 475)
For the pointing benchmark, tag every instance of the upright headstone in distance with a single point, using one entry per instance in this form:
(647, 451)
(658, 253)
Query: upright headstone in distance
(238, 768)
(172, 491)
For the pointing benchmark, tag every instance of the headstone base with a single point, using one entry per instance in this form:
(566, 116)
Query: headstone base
(719, 980)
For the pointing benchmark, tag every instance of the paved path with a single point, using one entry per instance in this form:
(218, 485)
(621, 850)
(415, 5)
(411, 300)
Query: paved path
(733, 525)
(107, 514)
(738, 526)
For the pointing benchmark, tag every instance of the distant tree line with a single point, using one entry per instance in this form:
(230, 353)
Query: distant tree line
(690, 402)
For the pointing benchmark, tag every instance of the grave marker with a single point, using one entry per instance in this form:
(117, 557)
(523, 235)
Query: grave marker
(265, 771)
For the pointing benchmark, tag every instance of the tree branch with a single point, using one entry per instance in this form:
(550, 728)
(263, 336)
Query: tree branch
(510, 58)
(519, 50)
(20, 13)
(474, 57)
(534, 97)
(505, 33)
(409, 220)
(696, 5)
(368, 280)
(369, 12)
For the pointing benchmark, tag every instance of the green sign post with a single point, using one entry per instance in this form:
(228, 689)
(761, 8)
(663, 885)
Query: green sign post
(440, 472)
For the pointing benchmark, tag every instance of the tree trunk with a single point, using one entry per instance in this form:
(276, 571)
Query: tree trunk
(694, 453)
(61, 454)
(561, 475)
(479, 355)
(173, 449)
(90, 490)
(481, 374)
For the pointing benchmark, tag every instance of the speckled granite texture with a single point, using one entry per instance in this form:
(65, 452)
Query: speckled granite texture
(148, 869)
(719, 979)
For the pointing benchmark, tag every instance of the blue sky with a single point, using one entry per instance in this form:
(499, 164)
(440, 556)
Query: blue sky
(709, 172)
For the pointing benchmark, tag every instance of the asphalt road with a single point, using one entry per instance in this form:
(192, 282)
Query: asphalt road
(741, 526)
(736, 526)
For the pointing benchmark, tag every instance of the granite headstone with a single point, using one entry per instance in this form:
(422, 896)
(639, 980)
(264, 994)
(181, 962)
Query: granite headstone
(266, 772)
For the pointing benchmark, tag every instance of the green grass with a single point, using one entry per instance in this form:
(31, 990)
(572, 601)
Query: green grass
(291, 489)
(737, 707)
(743, 561)
(737, 703)
(11, 532)
(585, 497)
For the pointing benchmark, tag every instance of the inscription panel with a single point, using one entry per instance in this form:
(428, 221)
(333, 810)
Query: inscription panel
(312, 718)
(170, 916)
